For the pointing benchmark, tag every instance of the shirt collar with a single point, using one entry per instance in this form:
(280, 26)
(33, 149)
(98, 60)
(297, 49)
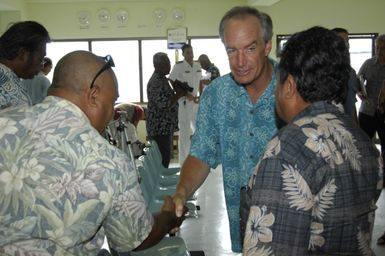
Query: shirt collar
(68, 105)
(9, 71)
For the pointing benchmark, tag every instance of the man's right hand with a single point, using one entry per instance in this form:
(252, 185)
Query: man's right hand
(179, 201)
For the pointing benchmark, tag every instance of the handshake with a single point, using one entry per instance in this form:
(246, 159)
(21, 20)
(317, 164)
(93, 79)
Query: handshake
(178, 85)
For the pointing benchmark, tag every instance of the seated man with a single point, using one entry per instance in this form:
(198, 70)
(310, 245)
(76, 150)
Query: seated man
(63, 187)
(314, 191)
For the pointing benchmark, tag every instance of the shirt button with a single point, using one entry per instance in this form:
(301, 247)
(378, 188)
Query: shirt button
(251, 156)
(251, 134)
(251, 112)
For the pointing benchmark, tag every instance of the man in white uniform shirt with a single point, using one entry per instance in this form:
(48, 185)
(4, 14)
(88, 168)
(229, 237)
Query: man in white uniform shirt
(188, 71)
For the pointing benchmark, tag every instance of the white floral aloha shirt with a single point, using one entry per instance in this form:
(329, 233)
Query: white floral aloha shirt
(12, 91)
(315, 190)
(63, 187)
(234, 132)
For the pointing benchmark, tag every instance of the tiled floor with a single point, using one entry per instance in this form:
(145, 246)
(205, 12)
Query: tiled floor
(210, 232)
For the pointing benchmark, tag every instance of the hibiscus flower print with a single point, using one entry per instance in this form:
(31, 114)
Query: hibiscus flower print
(258, 230)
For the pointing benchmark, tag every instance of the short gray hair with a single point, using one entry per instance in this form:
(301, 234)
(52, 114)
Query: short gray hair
(243, 11)
(158, 58)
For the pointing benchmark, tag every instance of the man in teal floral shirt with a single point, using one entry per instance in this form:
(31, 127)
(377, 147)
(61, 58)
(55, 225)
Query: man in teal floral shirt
(236, 116)
(63, 187)
(315, 190)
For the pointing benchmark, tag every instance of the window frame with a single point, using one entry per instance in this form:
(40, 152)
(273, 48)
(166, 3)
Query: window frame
(141, 87)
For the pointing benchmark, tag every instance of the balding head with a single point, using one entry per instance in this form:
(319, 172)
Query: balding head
(204, 61)
(72, 79)
(75, 70)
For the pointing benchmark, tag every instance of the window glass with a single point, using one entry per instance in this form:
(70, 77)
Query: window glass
(125, 54)
(360, 50)
(215, 50)
(56, 50)
(149, 48)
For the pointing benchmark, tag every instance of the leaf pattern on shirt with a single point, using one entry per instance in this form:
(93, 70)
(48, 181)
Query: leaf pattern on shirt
(58, 187)
(380, 182)
(24, 248)
(7, 127)
(258, 231)
(273, 148)
(260, 251)
(296, 188)
(59, 229)
(301, 197)
(316, 229)
(324, 199)
(364, 240)
(330, 131)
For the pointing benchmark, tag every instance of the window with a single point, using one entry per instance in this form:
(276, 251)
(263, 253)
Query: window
(56, 50)
(361, 47)
(126, 56)
(149, 48)
(133, 58)
(281, 40)
(215, 50)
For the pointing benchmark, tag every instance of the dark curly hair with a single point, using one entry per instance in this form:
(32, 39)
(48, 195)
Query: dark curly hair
(318, 60)
(25, 34)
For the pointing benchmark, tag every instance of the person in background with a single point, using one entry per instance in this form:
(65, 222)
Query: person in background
(353, 83)
(63, 187)
(188, 71)
(22, 49)
(372, 76)
(37, 87)
(236, 117)
(212, 72)
(47, 66)
(378, 66)
(315, 189)
(162, 114)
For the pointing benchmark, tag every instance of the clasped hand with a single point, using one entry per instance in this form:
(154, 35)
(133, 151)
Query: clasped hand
(170, 207)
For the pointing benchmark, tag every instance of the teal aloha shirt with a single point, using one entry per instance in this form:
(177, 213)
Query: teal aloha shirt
(63, 187)
(233, 131)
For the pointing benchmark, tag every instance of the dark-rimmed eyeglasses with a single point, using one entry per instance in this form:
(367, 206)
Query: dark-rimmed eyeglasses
(109, 63)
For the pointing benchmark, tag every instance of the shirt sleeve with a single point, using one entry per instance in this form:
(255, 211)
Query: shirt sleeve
(205, 141)
(129, 222)
(363, 68)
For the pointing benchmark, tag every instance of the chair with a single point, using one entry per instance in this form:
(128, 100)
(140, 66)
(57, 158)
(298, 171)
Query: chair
(154, 150)
(167, 178)
(157, 169)
(152, 193)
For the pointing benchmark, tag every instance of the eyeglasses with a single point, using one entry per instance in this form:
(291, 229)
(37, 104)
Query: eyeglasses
(109, 63)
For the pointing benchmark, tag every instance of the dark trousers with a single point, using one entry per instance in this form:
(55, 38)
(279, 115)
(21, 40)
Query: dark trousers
(165, 145)
(373, 124)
